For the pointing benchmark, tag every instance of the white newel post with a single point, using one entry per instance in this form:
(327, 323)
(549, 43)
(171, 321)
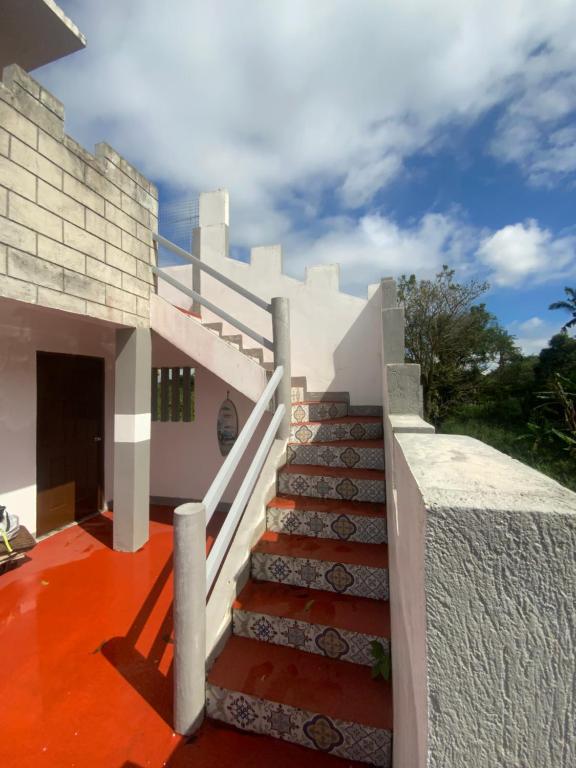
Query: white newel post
(281, 338)
(189, 617)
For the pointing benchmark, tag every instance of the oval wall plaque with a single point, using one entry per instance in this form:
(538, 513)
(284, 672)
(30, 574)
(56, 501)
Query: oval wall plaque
(227, 427)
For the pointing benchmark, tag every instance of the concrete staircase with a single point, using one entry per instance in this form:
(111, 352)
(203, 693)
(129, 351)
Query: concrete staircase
(298, 664)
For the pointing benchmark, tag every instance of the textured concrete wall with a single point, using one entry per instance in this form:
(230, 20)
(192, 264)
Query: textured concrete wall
(75, 229)
(500, 604)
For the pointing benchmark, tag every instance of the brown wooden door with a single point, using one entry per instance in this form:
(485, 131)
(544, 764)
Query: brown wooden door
(70, 438)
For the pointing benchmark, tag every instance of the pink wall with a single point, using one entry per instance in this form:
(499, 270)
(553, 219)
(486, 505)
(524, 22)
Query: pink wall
(24, 330)
(185, 457)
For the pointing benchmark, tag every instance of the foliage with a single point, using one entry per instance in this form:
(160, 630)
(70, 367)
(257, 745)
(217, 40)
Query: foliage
(569, 305)
(382, 661)
(454, 340)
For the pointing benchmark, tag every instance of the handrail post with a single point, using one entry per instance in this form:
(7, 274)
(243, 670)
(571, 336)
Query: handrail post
(281, 341)
(189, 617)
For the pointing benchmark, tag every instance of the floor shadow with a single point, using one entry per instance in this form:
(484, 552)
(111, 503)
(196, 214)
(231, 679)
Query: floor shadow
(99, 527)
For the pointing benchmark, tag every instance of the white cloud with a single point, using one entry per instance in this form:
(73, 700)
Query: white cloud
(533, 334)
(292, 99)
(520, 252)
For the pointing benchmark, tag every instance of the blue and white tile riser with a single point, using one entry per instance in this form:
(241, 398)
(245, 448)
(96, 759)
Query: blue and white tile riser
(349, 740)
(328, 525)
(329, 487)
(326, 641)
(347, 456)
(302, 412)
(332, 431)
(342, 578)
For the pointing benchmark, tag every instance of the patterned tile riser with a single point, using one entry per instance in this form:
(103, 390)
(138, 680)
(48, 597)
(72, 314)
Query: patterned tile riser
(327, 525)
(351, 741)
(312, 638)
(344, 579)
(318, 411)
(297, 394)
(335, 456)
(327, 433)
(328, 487)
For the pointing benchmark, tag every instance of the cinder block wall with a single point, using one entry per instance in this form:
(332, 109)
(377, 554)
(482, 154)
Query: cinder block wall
(75, 229)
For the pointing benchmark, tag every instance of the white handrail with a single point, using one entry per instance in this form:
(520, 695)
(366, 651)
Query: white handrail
(220, 546)
(213, 272)
(214, 493)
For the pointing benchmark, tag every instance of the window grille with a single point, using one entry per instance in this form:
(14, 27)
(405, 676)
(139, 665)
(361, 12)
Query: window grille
(172, 394)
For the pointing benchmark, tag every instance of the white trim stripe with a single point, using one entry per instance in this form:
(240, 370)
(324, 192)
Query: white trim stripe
(132, 427)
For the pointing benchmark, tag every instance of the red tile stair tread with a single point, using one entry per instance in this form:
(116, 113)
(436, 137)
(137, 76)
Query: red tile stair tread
(319, 402)
(331, 550)
(313, 469)
(307, 681)
(355, 614)
(342, 420)
(343, 443)
(308, 503)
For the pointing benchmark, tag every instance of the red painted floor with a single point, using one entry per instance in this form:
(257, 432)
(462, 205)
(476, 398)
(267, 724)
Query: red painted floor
(85, 642)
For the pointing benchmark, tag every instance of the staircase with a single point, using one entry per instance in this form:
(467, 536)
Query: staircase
(298, 665)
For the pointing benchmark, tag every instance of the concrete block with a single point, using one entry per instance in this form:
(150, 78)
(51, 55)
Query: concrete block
(116, 176)
(83, 241)
(135, 321)
(100, 184)
(135, 210)
(38, 114)
(402, 422)
(58, 253)
(17, 179)
(146, 200)
(35, 217)
(136, 247)
(393, 349)
(144, 272)
(14, 76)
(104, 313)
(18, 290)
(35, 162)
(116, 297)
(60, 203)
(13, 122)
(52, 103)
(143, 308)
(107, 231)
(14, 234)
(101, 271)
(4, 142)
(60, 155)
(23, 266)
(84, 287)
(133, 285)
(402, 389)
(3, 257)
(121, 219)
(144, 234)
(214, 208)
(121, 260)
(3, 203)
(105, 150)
(49, 298)
(389, 293)
(83, 193)
(83, 155)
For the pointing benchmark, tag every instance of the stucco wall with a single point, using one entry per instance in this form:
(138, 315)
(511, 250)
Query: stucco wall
(335, 336)
(75, 229)
(25, 330)
(185, 457)
(500, 596)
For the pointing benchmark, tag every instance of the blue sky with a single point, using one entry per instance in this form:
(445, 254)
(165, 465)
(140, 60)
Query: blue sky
(387, 137)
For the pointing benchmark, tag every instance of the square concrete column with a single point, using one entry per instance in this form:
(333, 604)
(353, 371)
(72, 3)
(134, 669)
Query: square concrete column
(132, 438)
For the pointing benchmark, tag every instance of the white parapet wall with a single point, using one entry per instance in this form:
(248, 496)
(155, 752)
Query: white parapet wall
(335, 336)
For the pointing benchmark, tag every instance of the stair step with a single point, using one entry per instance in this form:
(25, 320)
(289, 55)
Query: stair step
(216, 327)
(235, 339)
(344, 428)
(332, 483)
(335, 566)
(362, 454)
(321, 703)
(256, 352)
(337, 626)
(307, 410)
(328, 519)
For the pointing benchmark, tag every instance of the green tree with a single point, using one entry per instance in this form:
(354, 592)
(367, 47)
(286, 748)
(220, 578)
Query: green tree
(569, 305)
(453, 339)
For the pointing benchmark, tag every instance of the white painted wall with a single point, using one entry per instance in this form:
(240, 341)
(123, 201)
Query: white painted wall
(185, 457)
(24, 330)
(335, 336)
